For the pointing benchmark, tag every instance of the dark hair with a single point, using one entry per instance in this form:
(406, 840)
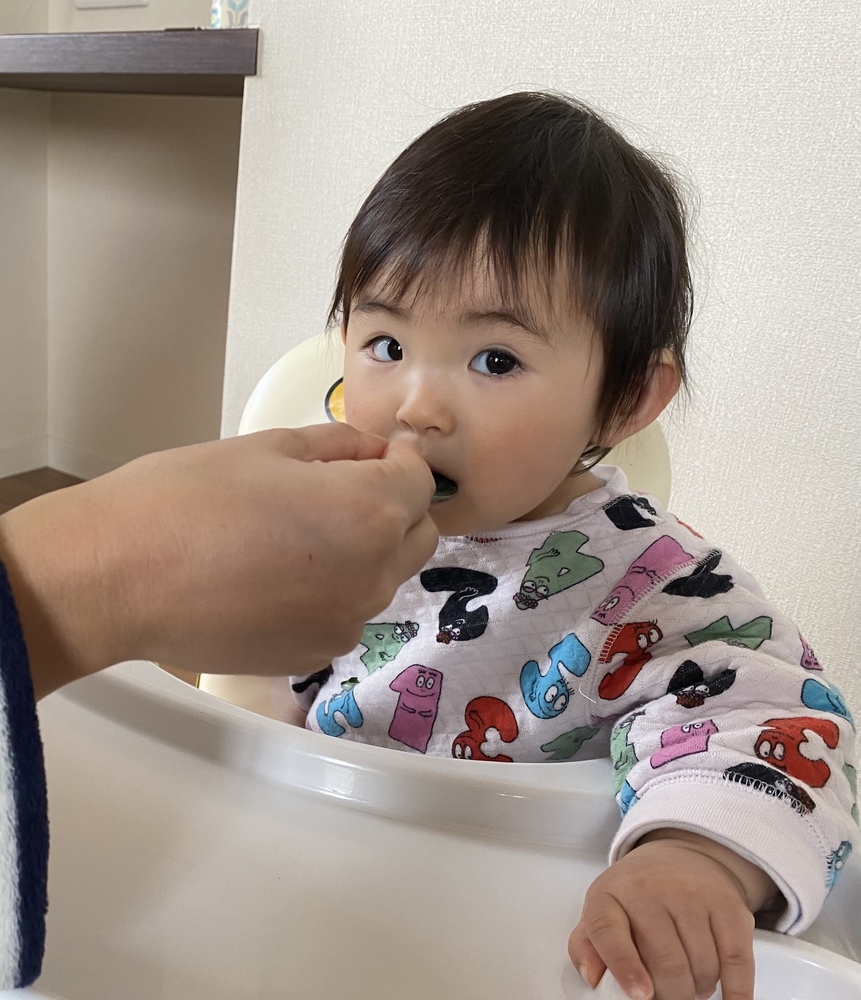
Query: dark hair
(536, 179)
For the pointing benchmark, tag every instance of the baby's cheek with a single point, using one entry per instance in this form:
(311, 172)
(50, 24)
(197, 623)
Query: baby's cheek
(361, 415)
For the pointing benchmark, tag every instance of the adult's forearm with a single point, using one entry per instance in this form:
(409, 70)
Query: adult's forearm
(261, 555)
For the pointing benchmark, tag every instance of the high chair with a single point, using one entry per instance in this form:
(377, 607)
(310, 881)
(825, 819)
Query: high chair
(304, 387)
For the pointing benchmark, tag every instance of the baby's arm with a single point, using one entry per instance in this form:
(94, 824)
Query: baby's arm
(673, 917)
(735, 772)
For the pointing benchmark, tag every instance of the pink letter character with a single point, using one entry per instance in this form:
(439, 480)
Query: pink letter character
(419, 689)
(682, 741)
(651, 566)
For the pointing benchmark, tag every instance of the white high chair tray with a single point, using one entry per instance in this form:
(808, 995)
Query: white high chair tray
(200, 852)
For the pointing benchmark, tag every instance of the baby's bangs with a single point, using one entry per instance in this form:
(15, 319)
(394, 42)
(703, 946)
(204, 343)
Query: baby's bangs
(441, 254)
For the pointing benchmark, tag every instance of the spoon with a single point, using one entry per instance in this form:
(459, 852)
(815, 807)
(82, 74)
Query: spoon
(445, 487)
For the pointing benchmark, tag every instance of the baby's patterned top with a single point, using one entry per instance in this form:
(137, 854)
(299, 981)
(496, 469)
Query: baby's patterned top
(616, 625)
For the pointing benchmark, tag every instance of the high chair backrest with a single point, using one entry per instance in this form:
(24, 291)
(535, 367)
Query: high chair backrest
(302, 387)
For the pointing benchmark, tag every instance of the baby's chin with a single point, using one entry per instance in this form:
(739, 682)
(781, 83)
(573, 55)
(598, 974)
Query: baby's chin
(453, 518)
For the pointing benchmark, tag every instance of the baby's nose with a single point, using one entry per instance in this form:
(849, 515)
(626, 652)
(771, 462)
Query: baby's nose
(426, 409)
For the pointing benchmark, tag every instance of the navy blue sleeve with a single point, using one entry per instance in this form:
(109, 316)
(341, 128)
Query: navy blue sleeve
(23, 807)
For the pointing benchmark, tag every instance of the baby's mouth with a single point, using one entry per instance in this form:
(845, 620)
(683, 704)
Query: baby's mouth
(445, 487)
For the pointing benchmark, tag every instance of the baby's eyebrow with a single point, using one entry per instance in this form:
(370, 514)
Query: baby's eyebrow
(471, 317)
(492, 317)
(376, 305)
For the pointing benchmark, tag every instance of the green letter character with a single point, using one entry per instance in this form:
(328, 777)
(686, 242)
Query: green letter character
(384, 641)
(556, 566)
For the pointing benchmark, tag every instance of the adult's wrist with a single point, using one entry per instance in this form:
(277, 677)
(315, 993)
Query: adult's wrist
(67, 583)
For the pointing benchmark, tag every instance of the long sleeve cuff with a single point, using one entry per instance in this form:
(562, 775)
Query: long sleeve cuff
(764, 829)
(23, 808)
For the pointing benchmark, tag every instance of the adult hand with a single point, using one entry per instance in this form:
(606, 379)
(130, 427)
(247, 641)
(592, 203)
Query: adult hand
(672, 919)
(263, 554)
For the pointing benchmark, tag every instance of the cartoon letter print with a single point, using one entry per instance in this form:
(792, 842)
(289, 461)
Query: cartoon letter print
(568, 745)
(808, 657)
(456, 624)
(345, 703)
(691, 687)
(634, 640)
(771, 782)
(703, 582)
(780, 745)
(654, 564)
(751, 635)
(627, 513)
(320, 678)
(415, 713)
(556, 566)
(836, 860)
(683, 741)
(547, 695)
(851, 776)
(481, 715)
(823, 698)
(627, 798)
(384, 641)
(622, 752)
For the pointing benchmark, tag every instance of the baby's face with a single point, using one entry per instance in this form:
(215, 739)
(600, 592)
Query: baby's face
(501, 403)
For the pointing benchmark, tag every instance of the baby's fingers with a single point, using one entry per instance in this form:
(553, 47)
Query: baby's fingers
(603, 938)
(734, 938)
(586, 960)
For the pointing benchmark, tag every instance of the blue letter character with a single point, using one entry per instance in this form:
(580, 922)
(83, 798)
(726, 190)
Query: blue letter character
(547, 695)
(345, 703)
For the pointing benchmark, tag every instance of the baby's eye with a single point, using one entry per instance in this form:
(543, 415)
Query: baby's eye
(386, 349)
(494, 362)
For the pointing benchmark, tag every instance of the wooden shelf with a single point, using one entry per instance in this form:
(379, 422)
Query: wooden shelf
(192, 61)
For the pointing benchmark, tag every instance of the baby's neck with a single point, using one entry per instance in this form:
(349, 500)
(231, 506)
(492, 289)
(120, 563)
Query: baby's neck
(572, 487)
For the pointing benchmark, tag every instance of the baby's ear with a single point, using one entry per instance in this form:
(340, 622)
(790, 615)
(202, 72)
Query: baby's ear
(343, 332)
(661, 386)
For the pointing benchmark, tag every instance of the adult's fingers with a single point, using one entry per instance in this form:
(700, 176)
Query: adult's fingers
(734, 940)
(326, 443)
(412, 478)
(419, 545)
(607, 926)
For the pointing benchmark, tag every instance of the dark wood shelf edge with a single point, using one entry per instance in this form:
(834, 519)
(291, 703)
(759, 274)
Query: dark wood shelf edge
(128, 83)
(193, 62)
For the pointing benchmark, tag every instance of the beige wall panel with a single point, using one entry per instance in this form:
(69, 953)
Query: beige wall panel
(141, 206)
(23, 280)
(157, 14)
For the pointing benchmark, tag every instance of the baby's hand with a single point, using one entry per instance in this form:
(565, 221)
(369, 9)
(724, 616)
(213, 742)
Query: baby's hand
(672, 919)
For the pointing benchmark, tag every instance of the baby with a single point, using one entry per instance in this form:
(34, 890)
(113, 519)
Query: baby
(514, 298)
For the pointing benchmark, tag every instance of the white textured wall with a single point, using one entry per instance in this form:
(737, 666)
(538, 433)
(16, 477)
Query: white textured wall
(757, 101)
